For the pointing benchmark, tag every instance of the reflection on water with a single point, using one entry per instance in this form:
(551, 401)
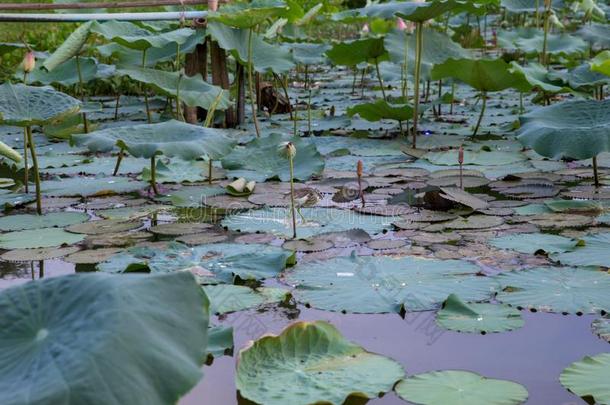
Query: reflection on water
(533, 356)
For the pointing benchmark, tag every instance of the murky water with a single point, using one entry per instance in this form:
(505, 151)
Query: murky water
(534, 355)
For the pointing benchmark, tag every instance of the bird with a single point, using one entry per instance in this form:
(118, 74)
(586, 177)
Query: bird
(305, 197)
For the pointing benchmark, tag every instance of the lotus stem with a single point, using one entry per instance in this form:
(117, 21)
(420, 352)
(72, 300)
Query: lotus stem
(210, 171)
(36, 172)
(440, 95)
(26, 170)
(292, 209)
(118, 162)
(476, 128)
(452, 96)
(521, 108)
(308, 84)
(81, 92)
(595, 173)
(210, 114)
(153, 175)
(250, 84)
(537, 14)
(419, 42)
(179, 115)
(380, 79)
(116, 107)
(364, 72)
(547, 14)
(405, 85)
(148, 116)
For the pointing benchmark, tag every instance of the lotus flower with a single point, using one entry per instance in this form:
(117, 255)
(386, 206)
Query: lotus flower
(365, 29)
(401, 24)
(29, 62)
(287, 150)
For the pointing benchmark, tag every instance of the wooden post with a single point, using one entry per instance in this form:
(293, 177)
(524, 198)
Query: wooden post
(196, 63)
(240, 103)
(220, 74)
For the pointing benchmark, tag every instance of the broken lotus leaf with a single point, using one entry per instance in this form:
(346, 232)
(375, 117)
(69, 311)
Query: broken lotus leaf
(311, 362)
(360, 284)
(116, 340)
(457, 387)
(38, 238)
(225, 298)
(563, 290)
(588, 378)
(477, 317)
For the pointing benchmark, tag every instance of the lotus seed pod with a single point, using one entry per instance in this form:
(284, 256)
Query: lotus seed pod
(359, 167)
(29, 62)
(461, 155)
(287, 150)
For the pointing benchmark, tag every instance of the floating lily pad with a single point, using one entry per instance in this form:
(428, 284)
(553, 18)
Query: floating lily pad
(115, 339)
(51, 220)
(220, 341)
(90, 186)
(458, 387)
(91, 256)
(594, 250)
(28, 255)
(535, 242)
(564, 290)
(311, 362)
(226, 298)
(38, 238)
(382, 284)
(588, 378)
(104, 226)
(476, 317)
(180, 228)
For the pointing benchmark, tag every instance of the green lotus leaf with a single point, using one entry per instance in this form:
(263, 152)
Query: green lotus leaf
(535, 242)
(309, 53)
(531, 41)
(584, 77)
(579, 129)
(311, 362)
(381, 109)
(259, 160)
(70, 47)
(479, 158)
(178, 171)
(249, 15)
(527, 6)
(220, 340)
(192, 90)
(415, 11)
(170, 138)
(598, 35)
(601, 327)
(38, 238)
(90, 186)
(215, 263)
(577, 205)
(120, 351)
(538, 78)
(353, 52)
(476, 317)
(438, 48)
(9, 199)
(588, 378)
(50, 220)
(277, 221)
(134, 37)
(382, 284)
(265, 57)
(22, 105)
(66, 74)
(594, 250)
(564, 290)
(601, 63)
(481, 74)
(226, 298)
(458, 387)
(193, 196)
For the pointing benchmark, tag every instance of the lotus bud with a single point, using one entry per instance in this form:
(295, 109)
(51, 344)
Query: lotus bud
(554, 21)
(461, 155)
(401, 24)
(29, 62)
(287, 150)
(359, 167)
(365, 29)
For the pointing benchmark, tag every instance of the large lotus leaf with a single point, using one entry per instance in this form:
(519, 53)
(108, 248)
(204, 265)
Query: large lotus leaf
(192, 90)
(583, 76)
(438, 47)
(309, 53)
(226, 298)
(70, 47)
(557, 44)
(601, 63)
(311, 363)
(351, 53)
(134, 37)
(259, 160)
(38, 238)
(414, 10)
(481, 74)
(588, 378)
(216, 263)
(67, 73)
(249, 15)
(480, 158)
(576, 206)
(318, 220)
(538, 77)
(22, 105)
(565, 290)
(90, 186)
(527, 6)
(381, 284)
(579, 129)
(535, 242)
(381, 109)
(594, 250)
(477, 317)
(265, 57)
(457, 387)
(170, 138)
(597, 34)
(132, 339)
(50, 220)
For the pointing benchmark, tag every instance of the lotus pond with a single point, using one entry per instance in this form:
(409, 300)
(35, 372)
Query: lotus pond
(309, 202)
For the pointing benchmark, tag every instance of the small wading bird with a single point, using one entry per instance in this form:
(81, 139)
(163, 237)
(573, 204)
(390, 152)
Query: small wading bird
(305, 197)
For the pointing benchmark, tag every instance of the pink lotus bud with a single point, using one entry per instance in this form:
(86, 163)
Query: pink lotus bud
(461, 155)
(401, 24)
(365, 29)
(29, 62)
(359, 168)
